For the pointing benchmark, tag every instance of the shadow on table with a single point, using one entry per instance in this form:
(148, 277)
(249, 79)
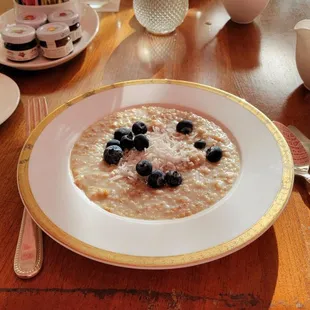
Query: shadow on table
(296, 110)
(35, 83)
(142, 55)
(244, 279)
(302, 187)
(241, 44)
(186, 51)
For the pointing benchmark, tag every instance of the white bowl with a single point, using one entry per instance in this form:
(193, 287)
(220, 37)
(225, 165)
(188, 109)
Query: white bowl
(68, 216)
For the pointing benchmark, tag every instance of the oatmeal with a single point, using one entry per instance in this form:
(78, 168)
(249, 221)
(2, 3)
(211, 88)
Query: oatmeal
(186, 151)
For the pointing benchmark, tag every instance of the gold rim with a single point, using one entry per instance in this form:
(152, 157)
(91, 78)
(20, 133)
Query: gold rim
(145, 261)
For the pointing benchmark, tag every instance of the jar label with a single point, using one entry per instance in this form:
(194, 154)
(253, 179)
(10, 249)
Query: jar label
(51, 44)
(22, 55)
(76, 34)
(57, 52)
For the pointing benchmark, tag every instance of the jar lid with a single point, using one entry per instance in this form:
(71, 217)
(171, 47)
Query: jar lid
(18, 34)
(64, 16)
(53, 32)
(34, 19)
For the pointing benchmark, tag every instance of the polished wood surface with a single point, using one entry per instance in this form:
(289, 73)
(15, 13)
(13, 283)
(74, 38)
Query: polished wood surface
(255, 62)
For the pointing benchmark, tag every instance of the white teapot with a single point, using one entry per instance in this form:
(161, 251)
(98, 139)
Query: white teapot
(244, 11)
(302, 29)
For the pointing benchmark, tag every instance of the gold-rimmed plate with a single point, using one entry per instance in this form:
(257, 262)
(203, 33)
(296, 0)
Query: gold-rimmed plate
(65, 214)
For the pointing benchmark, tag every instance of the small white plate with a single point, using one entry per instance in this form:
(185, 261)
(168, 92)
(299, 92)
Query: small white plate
(68, 216)
(10, 96)
(90, 27)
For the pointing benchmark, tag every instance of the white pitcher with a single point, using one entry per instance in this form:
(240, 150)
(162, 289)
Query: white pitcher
(302, 50)
(244, 11)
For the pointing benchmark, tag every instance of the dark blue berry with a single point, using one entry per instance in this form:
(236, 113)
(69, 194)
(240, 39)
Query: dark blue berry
(138, 128)
(113, 154)
(214, 154)
(173, 178)
(144, 168)
(119, 133)
(156, 179)
(200, 144)
(127, 143)
(141, 142)
(185, 127)
(113, 142)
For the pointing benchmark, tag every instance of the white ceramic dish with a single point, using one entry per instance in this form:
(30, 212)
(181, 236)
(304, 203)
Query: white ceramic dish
(64, 212)
(90, 26)
(10, 96)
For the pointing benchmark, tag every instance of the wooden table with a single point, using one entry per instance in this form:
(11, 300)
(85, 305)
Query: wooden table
(253, 61)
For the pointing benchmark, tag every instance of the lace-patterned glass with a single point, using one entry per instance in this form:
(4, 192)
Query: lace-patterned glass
(160, 16)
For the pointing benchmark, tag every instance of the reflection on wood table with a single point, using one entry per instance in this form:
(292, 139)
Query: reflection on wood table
(255, 62)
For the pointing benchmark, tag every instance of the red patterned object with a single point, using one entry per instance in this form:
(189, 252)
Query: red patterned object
(300, 155)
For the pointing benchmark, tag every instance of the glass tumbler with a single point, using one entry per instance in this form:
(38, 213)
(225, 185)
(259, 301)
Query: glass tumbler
(160, 16)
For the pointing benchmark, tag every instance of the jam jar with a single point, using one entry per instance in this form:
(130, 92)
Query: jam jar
(20, 43)
(34, 20)
(70, 18)
(55, 40)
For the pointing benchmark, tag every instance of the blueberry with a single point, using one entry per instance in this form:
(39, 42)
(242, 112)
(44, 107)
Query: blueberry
(113, 154)
(141, 142)
(139, 127)
(200, 144)
(156, 179)
(126, 143)
(173, 178)
(144, 168)
(185, 127)
(214, 154)
(113, 142)
(119, 133)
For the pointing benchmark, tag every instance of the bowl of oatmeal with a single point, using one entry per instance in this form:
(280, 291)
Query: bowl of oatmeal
(155, 174)
(120, 189)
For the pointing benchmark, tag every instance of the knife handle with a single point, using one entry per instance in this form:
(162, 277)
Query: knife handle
(29, 250)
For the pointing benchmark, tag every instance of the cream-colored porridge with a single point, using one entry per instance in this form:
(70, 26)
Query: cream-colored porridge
(121, 190)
